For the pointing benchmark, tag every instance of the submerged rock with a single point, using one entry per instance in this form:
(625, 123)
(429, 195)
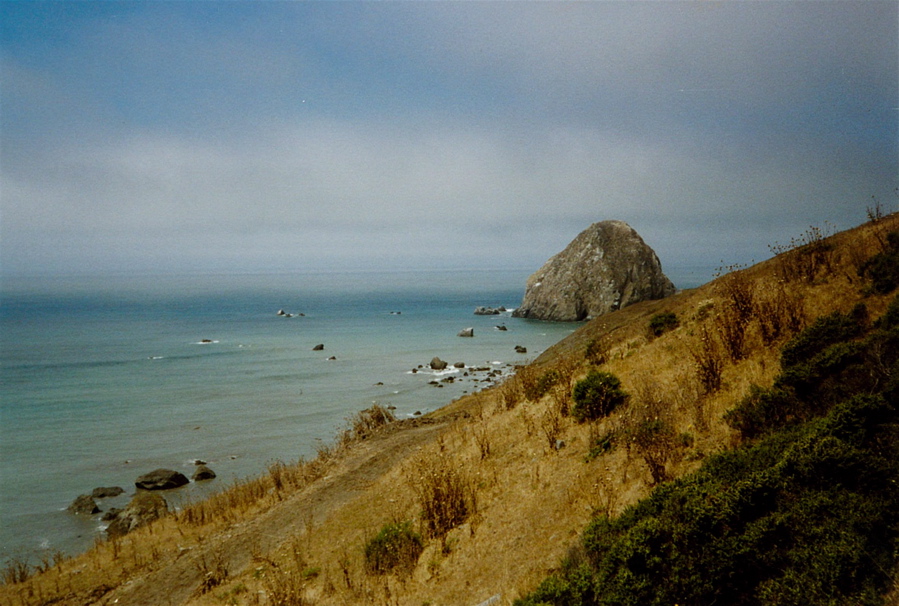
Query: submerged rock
(606, 267)
(106, 492)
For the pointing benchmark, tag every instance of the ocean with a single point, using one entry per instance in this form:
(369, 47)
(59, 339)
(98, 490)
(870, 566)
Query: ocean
(104, 379)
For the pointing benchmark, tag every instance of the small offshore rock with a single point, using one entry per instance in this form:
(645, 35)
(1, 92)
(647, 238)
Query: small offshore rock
(438, 364)
(467, 332)
(319, 347)
(459, 365)
(333, 358)
(502, 327)
(84, 505)
(488, 311)
(199, 462)
(203, 473)
(161, 479)
(521, 349)
(106, 492)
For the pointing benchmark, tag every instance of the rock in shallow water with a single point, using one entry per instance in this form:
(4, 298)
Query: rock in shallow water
(161, 479)
(84, 505)
(203, 473)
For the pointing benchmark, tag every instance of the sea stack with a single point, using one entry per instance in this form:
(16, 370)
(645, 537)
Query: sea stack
(606, 267)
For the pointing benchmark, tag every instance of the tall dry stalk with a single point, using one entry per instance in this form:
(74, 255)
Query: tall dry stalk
(444, 492)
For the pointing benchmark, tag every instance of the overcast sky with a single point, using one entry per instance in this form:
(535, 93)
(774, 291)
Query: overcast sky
(245, 136)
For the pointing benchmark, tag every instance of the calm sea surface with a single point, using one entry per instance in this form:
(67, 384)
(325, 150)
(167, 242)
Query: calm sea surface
(106, 379)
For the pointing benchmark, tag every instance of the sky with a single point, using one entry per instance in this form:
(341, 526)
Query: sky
(179, 137)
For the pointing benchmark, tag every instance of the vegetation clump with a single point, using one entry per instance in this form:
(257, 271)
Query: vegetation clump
(396, 547)
(662, 322)
(883, 268)
(444, 492)
(596, 396)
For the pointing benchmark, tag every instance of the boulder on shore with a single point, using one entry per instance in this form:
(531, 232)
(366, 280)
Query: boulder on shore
(143, 509)
(84, 505)
(606, 267)
(161, 479)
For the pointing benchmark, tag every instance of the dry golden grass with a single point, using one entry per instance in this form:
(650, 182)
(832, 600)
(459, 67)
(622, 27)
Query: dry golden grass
(527, 476)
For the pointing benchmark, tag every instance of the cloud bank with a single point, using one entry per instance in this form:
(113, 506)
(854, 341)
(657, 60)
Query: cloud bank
(297, 136)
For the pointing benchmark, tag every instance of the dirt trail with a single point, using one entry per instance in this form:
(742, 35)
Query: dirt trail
(176, 582)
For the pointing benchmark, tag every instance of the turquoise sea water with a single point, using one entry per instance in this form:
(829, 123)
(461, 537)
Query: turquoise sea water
(106, 379)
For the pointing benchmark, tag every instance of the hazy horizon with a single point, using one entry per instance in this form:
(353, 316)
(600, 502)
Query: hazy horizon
(187, 137)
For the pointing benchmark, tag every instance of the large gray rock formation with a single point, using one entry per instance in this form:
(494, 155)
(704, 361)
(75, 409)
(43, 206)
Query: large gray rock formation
(608, 266)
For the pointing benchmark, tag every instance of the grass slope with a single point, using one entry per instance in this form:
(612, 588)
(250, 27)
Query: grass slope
(505, 491)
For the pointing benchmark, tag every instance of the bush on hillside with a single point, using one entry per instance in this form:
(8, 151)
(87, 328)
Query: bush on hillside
(596, 396)
(661, 323)
(396, 547)
(883, 268)
(825, 331)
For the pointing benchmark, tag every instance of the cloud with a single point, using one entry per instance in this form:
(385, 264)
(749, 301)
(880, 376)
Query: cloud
(175, 137)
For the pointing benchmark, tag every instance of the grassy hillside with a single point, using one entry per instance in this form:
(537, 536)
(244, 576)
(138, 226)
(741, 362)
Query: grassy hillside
(680, 493)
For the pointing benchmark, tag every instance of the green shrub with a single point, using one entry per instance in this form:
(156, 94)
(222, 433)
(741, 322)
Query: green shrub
(825, 331)
(601, 445)
(396, 547)
(596, 396)
(883, 268)
(661, 323)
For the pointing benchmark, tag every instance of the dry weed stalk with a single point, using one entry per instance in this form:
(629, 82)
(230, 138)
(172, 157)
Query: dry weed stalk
(510, 393)
(736, 311)
(214, 572)
(444, 491)
(651, 430)
(551, 426)
(804, 257)
(709, 361)
(780, 313)
(527, 378)
(365, 423)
